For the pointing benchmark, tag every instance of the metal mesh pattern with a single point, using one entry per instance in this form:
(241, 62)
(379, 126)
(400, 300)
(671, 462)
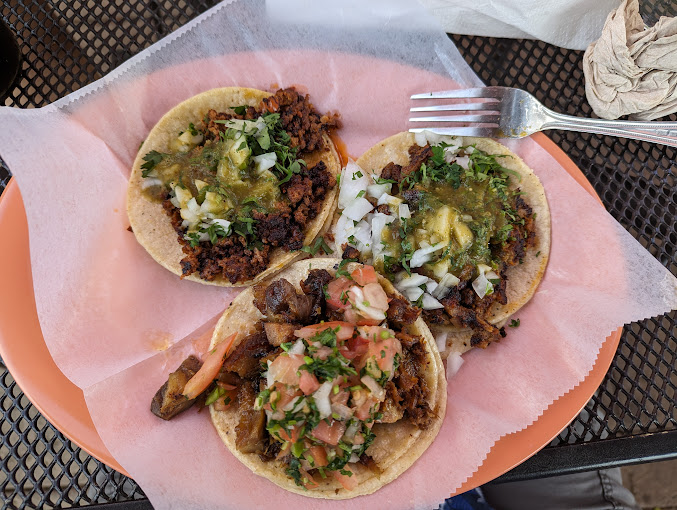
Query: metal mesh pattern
(66, 45)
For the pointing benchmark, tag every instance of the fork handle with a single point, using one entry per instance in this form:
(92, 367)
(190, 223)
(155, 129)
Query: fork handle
(657, 132)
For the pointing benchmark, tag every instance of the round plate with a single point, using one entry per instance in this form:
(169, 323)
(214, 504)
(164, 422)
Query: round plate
(26, 356)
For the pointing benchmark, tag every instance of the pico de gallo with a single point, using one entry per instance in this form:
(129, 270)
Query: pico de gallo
(324, 366)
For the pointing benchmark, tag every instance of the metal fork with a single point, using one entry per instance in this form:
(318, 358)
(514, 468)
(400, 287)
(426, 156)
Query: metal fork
(514, 113)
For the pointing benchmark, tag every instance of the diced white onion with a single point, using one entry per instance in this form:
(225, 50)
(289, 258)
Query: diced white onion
(224, 223)
(358, 208)
(363, 236)
(413, 293)
(463, 161)
(482, 286)
(446, 283)
(322, 401)
(408, 282)
(151, 181)
(423, 255)
(290, 405)
(431, 286)
(352, 184)
(354, 458)
(374, 387)
(469, 150)
(175, 202)
(298, 347)
(193, 206)
(376, 190)
(352, 430)
(378, 223)
(454, 362)
(389, 200)
(421, 139)
(441, 341)
(265, 161)
(450, 153)
(366, 310)
(404, 211)
(343, 229)
(430, 303)
(343, 411)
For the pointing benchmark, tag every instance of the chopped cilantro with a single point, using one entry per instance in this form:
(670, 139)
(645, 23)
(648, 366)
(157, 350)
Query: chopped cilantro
(151, 160)
(320, 243)
(514, 323)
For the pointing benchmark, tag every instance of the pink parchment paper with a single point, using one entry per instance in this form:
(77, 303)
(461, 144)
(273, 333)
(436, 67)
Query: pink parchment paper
(116, 323)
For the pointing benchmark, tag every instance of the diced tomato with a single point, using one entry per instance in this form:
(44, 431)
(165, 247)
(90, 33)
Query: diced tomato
(345, 329)
(311, 483)
(354, 317)
(213, 362)
(364, 275)
(335, 290)
(384, 352)
(284, 435)
(286, 395)
(363, 401)
(285, 367)
(308, 382)
(349, 482)
(376, 296)
(330, 434)
(323, 352)
(319, 455)
(374, 333)
(340, 398)
(221, 405)
(355, 347)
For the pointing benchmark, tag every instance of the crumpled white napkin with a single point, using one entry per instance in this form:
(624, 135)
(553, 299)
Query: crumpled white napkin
(631, 70)
(572, 24)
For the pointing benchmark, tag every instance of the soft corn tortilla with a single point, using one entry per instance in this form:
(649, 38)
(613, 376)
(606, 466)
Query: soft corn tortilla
(522, 278)
(151, 225)
(397, 445)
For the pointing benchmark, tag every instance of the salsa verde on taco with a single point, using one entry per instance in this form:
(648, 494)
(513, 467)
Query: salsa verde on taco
(331, 386)
(231, 183)
(461, 226)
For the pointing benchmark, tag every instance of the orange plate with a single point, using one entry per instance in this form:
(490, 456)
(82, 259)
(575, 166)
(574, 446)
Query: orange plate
(62, 403)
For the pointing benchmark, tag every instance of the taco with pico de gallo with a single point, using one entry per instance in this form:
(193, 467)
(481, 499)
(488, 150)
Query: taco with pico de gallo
(331, 387)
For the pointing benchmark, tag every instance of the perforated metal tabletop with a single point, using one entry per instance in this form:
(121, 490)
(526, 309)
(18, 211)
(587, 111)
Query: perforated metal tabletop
(632, 417)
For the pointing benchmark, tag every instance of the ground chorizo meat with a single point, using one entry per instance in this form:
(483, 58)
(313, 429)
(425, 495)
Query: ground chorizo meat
(234, 258)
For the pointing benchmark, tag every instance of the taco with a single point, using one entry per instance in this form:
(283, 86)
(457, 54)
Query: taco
(230, 184)
(332, 409)
(461, 226)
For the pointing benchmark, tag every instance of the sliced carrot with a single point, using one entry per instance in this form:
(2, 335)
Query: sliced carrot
(213, 362)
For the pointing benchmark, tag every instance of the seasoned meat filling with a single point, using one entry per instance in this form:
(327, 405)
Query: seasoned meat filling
(169, 400)
(463, 307)
(244, 251)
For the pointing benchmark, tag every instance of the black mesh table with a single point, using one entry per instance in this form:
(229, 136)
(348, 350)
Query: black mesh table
(631, 418)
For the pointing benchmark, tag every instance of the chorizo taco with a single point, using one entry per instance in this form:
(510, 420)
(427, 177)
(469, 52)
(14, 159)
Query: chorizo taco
(461, 226)
(332, 384)
(230, 184)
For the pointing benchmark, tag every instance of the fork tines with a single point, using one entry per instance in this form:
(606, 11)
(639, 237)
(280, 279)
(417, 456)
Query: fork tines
(487, 122)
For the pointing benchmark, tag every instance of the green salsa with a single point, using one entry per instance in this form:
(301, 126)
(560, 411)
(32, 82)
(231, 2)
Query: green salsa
(217, 184)
(465, 214)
